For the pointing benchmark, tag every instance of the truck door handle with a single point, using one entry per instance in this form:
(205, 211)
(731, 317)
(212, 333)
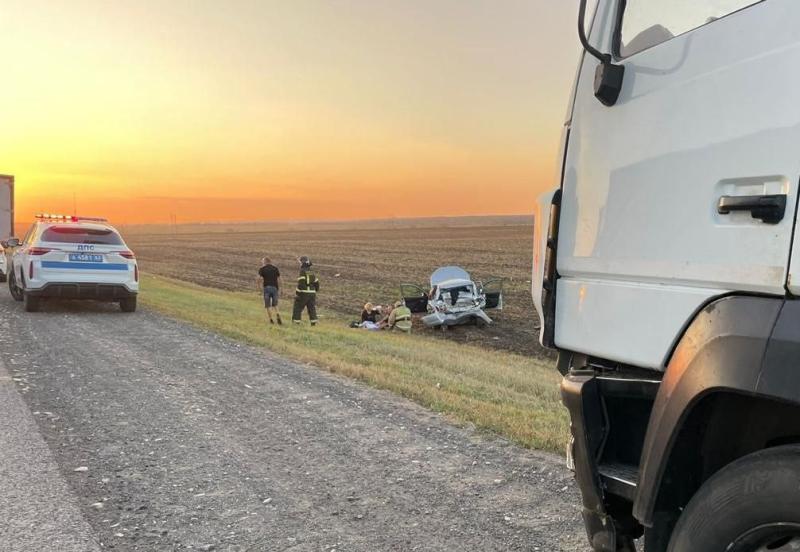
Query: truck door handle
(767, 208)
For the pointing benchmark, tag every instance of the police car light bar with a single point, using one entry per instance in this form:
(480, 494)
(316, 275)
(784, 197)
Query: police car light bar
(68, 218)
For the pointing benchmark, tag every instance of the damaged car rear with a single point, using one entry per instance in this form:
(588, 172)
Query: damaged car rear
(453, 298)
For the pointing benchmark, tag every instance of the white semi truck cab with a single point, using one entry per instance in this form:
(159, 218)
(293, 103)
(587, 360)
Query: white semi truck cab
(667, 275)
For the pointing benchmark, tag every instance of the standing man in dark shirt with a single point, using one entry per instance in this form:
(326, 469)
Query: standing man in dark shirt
(270, 279)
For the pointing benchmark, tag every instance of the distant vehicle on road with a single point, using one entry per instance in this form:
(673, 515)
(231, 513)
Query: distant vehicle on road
(72, 258)
(3, 264)
(6, 206)
(454, 298)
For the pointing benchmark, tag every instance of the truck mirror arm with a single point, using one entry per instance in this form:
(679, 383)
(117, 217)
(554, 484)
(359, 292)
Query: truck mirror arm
(608, 76)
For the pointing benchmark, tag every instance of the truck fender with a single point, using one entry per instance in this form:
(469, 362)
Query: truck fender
(722, 349)
(780, 372)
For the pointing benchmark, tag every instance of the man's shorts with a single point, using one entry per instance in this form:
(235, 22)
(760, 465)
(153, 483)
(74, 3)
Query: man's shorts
(270, 296)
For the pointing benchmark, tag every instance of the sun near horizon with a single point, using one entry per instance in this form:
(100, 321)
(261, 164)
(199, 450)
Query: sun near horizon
(149, 112)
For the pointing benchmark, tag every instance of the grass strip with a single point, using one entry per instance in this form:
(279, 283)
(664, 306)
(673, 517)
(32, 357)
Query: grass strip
(505, 393)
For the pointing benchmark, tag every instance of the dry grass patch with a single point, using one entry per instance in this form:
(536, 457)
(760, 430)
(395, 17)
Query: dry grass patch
(510, 394)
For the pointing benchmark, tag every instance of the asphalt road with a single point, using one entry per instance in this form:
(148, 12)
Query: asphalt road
(136, 432)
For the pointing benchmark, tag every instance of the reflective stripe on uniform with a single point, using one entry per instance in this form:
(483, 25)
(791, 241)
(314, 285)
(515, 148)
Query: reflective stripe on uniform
(305, 278)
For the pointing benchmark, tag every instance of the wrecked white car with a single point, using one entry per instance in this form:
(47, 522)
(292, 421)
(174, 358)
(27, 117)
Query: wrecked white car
(454, 298)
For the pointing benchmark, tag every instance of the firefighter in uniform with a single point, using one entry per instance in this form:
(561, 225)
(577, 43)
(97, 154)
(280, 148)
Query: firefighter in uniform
(306, 293)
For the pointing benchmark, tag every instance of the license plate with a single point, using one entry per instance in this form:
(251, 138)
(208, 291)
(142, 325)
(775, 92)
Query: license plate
(85, 258)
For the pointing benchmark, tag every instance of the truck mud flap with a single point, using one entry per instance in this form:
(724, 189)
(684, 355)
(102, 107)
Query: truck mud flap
(580, 394)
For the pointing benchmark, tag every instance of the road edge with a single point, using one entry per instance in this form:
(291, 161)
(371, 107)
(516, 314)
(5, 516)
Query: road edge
(37, 507)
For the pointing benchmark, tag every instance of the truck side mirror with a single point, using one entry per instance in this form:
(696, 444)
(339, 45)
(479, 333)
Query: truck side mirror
(608, 77)
(11, 242)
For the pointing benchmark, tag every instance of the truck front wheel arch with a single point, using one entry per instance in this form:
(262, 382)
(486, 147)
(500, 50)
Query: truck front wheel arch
(710, 379)
(722, 427)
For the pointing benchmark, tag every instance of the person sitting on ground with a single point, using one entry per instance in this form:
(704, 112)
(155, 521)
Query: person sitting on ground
(370, 313)
(369, 318)
(384, 320)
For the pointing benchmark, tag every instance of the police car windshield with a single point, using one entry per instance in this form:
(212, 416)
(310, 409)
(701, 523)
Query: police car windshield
(76, 234)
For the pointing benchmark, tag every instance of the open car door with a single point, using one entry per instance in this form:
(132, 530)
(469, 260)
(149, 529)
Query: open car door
(415, 297)
(493, 290)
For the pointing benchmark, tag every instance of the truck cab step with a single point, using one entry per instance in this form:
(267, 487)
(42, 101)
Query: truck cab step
(620, 479)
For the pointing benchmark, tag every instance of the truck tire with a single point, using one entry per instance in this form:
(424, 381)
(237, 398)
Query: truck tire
(31, 303)
(751, 505)
(128, 304)
(13, 288)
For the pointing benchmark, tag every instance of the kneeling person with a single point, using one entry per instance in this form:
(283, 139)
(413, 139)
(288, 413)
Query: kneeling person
(399, 318)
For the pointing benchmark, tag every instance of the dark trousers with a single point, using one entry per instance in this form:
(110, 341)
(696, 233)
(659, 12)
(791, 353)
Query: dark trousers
(305, 301)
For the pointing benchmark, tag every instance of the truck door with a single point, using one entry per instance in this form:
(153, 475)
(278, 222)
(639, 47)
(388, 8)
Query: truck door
(686, 188)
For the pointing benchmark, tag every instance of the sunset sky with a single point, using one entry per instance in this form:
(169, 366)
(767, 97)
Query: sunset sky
(282, 109)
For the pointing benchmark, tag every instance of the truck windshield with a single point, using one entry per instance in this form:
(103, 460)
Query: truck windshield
(76, 234)
(646, 23)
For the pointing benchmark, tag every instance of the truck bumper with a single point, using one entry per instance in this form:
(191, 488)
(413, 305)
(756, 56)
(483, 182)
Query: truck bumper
(580, 394)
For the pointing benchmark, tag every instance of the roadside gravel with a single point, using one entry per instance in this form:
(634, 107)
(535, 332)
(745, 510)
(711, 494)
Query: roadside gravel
(173, 438)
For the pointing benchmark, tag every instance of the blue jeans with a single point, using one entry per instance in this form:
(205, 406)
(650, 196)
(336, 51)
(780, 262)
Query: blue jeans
(270, 296)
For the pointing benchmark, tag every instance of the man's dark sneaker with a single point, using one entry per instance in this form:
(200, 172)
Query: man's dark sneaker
(280, 322)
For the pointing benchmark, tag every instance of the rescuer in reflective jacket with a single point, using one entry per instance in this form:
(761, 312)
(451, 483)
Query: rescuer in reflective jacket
(306, 293)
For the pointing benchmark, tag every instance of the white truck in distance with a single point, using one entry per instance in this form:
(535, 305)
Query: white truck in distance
(72, 258)
(666, 274)
(6, 219)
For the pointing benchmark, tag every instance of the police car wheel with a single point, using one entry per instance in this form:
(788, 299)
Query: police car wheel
(16, 291)
(31, 303)
(751, 505)
(128, 304)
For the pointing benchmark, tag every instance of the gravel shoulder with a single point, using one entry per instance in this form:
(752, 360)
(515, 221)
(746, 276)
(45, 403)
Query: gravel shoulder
(37, 509)
(194, 442)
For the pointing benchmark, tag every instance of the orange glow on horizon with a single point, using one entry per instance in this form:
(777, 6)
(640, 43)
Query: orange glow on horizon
(144, 112)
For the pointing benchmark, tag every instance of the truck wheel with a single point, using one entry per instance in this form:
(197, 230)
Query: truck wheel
(16, 291)
(128, 304)
(751, 505)
(31, 303)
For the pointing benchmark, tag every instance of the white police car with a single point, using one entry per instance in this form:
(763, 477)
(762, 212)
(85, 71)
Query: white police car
(72, 258)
